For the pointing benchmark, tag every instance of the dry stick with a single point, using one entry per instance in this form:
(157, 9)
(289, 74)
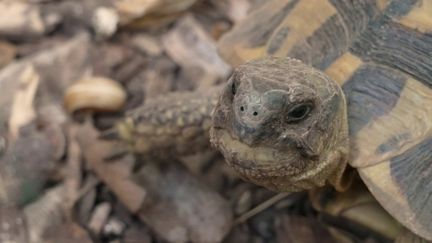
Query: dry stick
(261, 207)
(92, 182)
(73, 178)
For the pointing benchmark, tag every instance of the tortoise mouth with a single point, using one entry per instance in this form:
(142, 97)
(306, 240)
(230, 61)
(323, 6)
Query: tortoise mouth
(255, 162)
(274, 169)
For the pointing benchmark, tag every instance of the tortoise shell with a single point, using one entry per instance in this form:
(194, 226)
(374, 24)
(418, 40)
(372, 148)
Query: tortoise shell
(380, 52)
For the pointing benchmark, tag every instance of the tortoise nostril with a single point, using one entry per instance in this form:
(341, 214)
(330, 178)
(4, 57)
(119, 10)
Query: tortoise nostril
(255, 113)
(241, 108)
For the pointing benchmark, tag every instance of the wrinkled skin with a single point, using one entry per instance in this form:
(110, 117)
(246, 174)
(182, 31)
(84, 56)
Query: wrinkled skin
(283, 125)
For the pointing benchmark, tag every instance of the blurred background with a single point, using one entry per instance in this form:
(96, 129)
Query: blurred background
(72, 69)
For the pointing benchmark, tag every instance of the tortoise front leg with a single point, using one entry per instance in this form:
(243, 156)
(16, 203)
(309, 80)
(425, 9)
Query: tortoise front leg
(176, 124)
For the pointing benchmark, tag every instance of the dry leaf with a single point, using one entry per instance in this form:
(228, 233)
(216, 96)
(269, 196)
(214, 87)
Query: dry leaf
(184, 209)
(19, 18)
(22, 111)
(191, 46)
(115, 174)
(133, 9)
(95, 93)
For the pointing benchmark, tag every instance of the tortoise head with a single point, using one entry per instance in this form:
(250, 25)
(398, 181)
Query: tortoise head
(283, 125)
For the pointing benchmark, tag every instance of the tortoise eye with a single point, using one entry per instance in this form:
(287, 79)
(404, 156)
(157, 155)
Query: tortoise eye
(233, 88)
(299, 112)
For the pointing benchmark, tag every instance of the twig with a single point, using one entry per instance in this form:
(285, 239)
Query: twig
(261, 207)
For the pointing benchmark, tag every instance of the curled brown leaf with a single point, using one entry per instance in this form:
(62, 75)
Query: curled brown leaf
(95, 93)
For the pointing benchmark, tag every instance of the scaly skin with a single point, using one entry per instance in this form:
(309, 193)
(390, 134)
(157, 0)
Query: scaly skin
(176, 124)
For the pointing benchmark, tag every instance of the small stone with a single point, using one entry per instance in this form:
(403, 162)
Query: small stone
(105, 22)
(114, 227)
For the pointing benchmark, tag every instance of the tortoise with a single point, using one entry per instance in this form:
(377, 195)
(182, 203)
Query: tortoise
(321, 88)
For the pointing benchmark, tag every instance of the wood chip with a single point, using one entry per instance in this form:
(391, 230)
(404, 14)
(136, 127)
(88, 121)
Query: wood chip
(147, 44)
(133, 9)
(73, 177)
(116, 174)
(191, 46)
(20, 20)
(67, 233)
(99, 217)
(22, 111)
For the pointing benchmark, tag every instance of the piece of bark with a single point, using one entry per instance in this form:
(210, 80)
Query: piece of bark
(184, 210)
(238, 9)
(115, 174)
(191, 47)
(235, 10)
(20, 20)
(130, 10)
(147, 44)
(78, 15)
(99, 217)
(86, 200)
(23, 112)
(67, 233)
(73, 177)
